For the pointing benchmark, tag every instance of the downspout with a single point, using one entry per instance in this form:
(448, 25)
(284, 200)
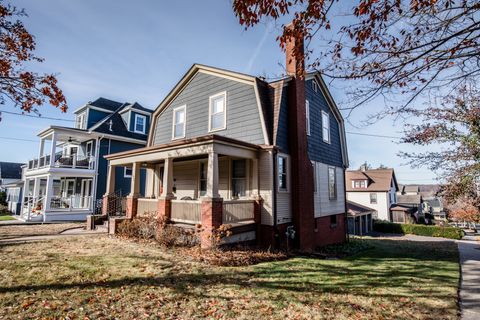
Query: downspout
(274, 198)
(345, 222)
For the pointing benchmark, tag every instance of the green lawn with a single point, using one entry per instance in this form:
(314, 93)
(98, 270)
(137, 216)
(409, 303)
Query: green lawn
(3, 218)
(92, 278)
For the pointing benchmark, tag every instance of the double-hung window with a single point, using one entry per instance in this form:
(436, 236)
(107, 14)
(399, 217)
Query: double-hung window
(332, 183)
(203, 179)
(140, 123)
(282, 173)
(218, 112)
(373, 198)
(326, 127)
(307, 114)
(179, 120)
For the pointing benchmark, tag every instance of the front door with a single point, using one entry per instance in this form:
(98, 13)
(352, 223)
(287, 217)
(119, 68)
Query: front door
(68, 187)
(85, 193)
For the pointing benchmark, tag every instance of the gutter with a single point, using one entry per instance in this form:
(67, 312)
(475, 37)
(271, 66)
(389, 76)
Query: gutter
(274, 197)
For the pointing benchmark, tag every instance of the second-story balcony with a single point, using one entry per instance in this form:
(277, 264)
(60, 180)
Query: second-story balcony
(62, 147)
(62, 161)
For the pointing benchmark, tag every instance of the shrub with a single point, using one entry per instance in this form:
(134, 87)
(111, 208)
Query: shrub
(149, 227)
(418, 229)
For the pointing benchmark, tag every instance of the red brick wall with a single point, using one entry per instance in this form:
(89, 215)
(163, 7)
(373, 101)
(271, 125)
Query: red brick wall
(132, 203)
(164, 208)
(211, 218)
(326, 234)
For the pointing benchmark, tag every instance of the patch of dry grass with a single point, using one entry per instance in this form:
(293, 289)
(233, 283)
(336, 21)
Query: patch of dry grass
(27, 230)
(106, 278)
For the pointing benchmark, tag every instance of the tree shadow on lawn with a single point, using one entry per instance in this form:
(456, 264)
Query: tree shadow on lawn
(390, 269)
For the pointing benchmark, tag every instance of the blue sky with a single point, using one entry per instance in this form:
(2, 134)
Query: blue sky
(137, 51)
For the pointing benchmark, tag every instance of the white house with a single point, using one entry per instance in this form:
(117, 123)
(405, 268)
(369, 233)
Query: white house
(375, 188)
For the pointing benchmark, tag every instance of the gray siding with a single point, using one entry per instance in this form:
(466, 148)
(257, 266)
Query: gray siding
(243, 118)
(324, 206)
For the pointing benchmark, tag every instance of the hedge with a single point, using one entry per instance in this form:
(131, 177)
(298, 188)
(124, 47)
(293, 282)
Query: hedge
(418, 229)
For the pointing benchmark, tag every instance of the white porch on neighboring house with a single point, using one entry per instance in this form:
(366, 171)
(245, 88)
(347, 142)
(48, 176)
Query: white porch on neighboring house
(60, 183)
(210, 181)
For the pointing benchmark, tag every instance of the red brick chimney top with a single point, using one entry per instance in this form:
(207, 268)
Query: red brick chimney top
(294, 50)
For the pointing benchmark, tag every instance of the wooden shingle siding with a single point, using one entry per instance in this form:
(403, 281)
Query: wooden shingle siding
(281, 118)
(318, 150)
(323, 205)
(265, 176)
(243, 119)
(185, 175)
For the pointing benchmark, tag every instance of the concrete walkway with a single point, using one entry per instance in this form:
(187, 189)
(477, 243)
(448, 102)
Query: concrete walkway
(470, 284)
(64, 234)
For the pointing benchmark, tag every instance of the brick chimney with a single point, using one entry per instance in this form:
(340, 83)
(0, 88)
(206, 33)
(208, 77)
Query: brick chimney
(301, 167)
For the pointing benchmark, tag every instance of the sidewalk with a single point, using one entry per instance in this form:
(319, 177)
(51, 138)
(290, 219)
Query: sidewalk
(64, 234)
(470, 282)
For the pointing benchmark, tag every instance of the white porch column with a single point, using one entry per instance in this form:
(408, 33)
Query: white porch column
(150, 183)
(254, 178)
(48, 196)
(212, 176)
(41, 148)
(135, 182)
(110, 180)
(157, 181)
(53, 148)
(168, 179)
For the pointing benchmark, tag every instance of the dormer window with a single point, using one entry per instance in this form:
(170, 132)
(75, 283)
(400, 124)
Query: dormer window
(359, 184)
(140, 124)
(81, 121)
(217, 112)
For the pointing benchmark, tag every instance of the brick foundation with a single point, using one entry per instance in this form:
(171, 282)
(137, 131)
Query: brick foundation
(325, 234)
(164, 209)
(107, 204)
(211, 219)
(132, 204)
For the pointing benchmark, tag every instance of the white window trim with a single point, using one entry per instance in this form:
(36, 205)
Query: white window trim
(91, 148)
(315, 180)
(307, 115)
(144, 124)
(210, 105)
(287, 163)
(323, 136)
(184, 107)
(125, 175)
(315, 85)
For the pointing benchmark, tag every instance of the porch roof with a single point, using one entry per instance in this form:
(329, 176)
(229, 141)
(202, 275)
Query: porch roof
(192, 146)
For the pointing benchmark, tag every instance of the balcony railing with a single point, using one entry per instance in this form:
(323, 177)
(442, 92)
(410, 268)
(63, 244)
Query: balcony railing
(73, 161)
(70, 203)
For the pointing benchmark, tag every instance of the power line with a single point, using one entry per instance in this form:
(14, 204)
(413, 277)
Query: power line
(37, 117)
(373, 135)
(18, 139)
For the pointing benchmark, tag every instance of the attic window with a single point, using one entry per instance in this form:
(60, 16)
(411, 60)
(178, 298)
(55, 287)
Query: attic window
(307, 114)
(140, 123)
(217, 112)
(326, 127)
(315, 85)
(179, 117)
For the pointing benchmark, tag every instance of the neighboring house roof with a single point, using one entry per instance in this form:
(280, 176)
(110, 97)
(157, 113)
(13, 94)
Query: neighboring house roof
(106, 104)
(411, 189)
(356, 209)
(380, 180)
(434, 202)
(11, 170)
(118, 127)
(409, 199)
(13, 184)
(399, 207)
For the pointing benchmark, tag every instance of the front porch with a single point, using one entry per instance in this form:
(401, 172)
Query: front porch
(208, 181)
(57, 198)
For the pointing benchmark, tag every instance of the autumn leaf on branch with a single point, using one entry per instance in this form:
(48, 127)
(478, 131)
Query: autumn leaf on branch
(23, 88)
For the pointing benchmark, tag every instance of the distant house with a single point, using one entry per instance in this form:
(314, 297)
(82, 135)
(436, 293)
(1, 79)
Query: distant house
(403, 214)
(14, 196)
(9, 172)
(413, 201)
(69, 173)
(360, 218)
(409, 189)
(375, 188)
(435, 208)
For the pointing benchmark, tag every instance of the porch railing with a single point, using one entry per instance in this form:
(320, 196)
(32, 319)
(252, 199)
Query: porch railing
(145, 205)
(70, 203)
(73, 161)
(188, 211)
(32, 206)
(235, 211)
